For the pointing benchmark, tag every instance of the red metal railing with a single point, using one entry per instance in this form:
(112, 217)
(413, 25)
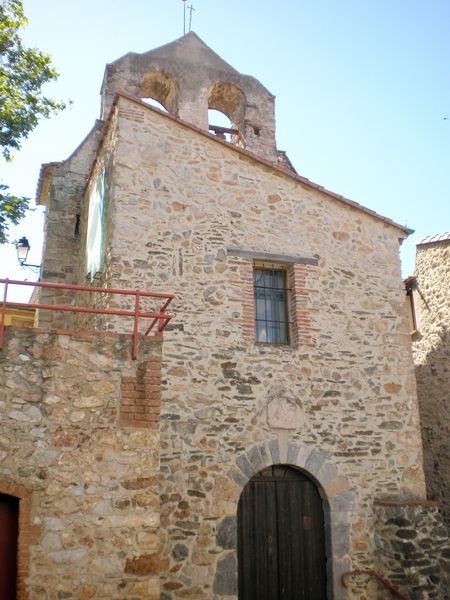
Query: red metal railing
(159, 318)
(387, 584)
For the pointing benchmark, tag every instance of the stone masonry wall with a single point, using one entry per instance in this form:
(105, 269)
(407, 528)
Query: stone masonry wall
(103, 164)
(191, 215)
(414, 549)
(431, 347)
(84, 465)
(61, 253)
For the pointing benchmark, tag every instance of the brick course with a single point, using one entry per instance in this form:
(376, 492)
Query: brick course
(141, 396)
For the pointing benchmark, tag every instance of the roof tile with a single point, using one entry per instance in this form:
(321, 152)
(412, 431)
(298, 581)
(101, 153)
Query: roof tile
(432, 239)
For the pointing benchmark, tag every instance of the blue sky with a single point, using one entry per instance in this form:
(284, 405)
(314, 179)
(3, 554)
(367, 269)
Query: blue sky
(362, 88)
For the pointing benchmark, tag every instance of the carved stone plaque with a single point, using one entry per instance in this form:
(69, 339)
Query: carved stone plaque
(281, 414)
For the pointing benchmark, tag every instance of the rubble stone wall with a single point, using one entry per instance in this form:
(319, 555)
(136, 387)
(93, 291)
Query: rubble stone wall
(61, 252)
(431, 347)
(413, 549)
(87, 480)
(186, 208)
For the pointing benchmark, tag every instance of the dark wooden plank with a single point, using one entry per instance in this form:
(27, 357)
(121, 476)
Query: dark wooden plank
(314, 541)
(257, 542)
(266, 550)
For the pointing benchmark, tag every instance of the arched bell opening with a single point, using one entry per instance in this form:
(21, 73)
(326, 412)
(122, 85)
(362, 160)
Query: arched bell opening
(226, 104)
(160, 89)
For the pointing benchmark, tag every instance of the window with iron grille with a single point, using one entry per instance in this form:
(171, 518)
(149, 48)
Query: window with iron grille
(271, 305)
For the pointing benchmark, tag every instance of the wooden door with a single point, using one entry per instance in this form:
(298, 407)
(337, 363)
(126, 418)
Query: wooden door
(281, 547)
(9, 518)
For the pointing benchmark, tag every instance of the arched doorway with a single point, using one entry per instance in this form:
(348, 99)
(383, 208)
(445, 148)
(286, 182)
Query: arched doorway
(281, 541)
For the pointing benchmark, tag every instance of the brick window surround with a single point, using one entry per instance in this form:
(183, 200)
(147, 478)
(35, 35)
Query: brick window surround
(299, 271)
(28, 533)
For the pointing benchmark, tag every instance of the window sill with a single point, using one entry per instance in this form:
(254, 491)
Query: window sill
(284, 347)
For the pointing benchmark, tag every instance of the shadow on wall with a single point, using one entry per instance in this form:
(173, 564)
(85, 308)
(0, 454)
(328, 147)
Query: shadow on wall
(433, 390)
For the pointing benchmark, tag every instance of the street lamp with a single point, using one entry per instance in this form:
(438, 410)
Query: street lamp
(23, 247)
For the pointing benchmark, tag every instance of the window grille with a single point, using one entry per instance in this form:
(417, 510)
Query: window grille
(271, 312)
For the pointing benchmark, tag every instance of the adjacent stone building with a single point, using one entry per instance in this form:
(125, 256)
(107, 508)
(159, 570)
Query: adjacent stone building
(288, 443)
(430, 294)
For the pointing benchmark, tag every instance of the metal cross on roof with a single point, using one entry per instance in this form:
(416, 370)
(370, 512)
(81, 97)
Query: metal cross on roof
(191, 10)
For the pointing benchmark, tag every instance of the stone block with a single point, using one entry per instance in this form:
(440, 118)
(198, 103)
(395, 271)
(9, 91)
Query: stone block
(147, 564)
(255, 459)
(225, 579)
(314, 462)
(274, 451)
(292, 453)
(243, 463)
(227, 533)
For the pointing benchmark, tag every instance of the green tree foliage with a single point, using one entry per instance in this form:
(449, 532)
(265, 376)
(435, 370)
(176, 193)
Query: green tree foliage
(12, 209)
(23, 72)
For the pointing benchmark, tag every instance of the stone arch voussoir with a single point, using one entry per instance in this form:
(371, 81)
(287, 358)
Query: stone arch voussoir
(333, 488)
(336, 492)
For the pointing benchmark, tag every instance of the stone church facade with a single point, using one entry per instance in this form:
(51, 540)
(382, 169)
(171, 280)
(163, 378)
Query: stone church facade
(129, 473)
